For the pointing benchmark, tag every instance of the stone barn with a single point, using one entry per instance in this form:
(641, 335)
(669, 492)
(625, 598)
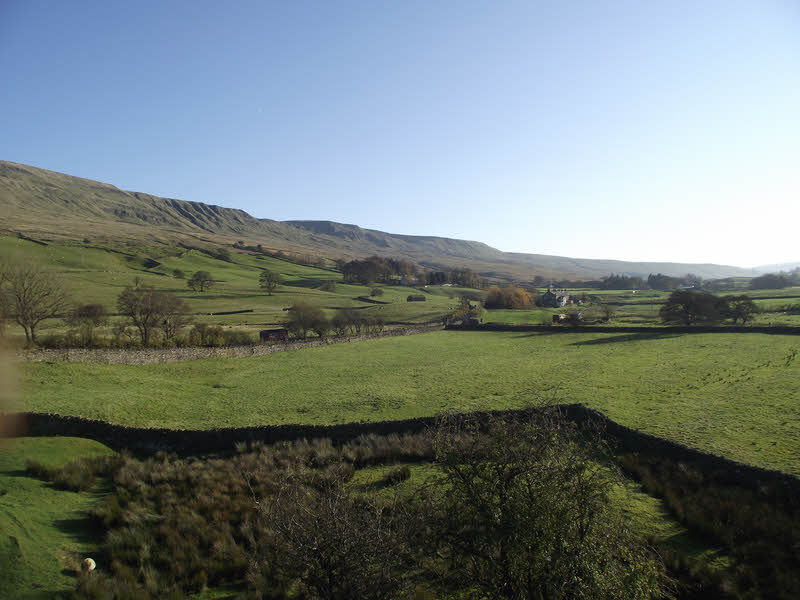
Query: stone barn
(279, 334)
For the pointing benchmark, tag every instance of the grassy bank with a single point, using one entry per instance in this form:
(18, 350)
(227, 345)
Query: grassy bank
(44, 532)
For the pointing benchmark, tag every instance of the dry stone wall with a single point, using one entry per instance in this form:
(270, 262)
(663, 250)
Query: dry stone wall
(151, 356)
(224, 440)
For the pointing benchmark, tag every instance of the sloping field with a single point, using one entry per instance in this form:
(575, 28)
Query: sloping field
(734, 395)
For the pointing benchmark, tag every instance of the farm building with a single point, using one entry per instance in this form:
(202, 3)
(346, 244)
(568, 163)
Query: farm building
(553, 298)
(274, 335)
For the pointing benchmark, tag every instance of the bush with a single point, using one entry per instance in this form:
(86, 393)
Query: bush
(508, 297)
(206, 335)
(397, 475)
(237, 338)
(304, 317)
(376, 291)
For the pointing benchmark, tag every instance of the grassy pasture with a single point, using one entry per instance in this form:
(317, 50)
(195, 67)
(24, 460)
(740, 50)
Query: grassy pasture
(95, 274)
(42, 530)
(735, 395)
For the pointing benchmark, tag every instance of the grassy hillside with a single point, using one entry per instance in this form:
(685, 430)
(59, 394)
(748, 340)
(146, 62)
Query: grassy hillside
(52, 205)
(95, 273)
(740, 401)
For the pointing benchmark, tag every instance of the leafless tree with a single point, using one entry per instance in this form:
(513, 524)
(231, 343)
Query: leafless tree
(149, 309)
(176, 313)
(86, 318)
(340, 546)
(31, 295)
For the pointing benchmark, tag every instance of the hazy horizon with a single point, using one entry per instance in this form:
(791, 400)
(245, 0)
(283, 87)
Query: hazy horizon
(620, 132)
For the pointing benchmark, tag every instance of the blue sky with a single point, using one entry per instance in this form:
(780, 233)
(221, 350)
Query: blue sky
(628, 130)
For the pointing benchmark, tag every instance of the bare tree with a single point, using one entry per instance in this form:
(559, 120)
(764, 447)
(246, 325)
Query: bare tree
(340, 546)
(176, 315)
(31, 295)
(149, 309)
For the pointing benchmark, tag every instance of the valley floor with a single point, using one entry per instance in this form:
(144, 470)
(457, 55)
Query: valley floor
(733, 395)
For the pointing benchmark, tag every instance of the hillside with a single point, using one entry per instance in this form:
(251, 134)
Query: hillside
(38, 202)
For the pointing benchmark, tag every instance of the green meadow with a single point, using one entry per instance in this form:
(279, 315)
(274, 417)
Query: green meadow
(732, 394)
(44, 532)
(97, 274)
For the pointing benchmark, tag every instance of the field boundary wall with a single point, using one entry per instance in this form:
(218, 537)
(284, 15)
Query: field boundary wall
(152, 356)
(656, 330)
(224, 440)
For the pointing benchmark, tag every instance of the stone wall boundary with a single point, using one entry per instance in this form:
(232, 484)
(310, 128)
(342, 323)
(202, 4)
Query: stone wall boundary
(152, 356)
(655, 330)
(224, 440)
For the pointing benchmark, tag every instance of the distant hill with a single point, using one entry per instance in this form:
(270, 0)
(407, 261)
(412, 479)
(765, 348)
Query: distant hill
(777, 268)
(38, 202)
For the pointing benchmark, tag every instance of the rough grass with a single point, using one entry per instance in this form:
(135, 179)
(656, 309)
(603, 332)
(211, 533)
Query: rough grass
(648, 516)
(734, 395)
(43, 531)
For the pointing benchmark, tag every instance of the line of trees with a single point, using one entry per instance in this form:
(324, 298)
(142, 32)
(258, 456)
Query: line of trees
(305, 318)
(775, 281)
(654, 281)
(687, 307)
(377, 269)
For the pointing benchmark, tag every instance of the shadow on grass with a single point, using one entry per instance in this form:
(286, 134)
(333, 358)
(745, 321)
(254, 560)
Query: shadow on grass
(83, 530)
(629, 337)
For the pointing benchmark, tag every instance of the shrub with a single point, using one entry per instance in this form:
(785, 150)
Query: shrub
(397, 475)
(237, 338)
(206, 335)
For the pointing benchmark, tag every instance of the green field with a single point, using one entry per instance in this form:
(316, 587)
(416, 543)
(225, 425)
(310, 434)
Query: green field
(43, 531)
(741, 400)
(95, 274)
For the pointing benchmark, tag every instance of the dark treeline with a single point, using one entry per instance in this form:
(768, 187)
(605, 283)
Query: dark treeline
(378, 269)
(689, 307)
(776, 281)
(399, 271)
(654, 281)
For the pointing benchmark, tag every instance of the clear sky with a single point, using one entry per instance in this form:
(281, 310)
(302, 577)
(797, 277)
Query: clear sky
(630, 130)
